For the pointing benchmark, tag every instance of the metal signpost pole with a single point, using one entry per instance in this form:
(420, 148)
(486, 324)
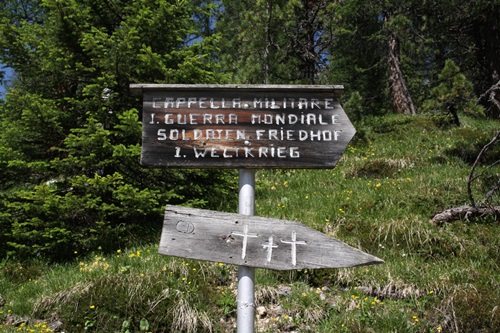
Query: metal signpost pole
(247, 127)
(245, 300)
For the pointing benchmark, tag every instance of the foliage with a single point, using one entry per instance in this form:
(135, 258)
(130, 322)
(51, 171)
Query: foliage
(72, 189)
(453, 95)
(275, 42)
(70, 130)
(434, 279)
(69, 113)
(130, 291)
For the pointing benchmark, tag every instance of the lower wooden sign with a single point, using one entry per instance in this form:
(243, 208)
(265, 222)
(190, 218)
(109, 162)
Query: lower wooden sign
(253, 241)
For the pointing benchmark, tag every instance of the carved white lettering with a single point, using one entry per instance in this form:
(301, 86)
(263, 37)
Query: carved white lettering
(156, 103)
(240, 135)
(191, 101)
(169, 118)
(182, 119)
(257, 102)
(219, 119)
(161, 134)
(274, 105)
(255, 118)
(213, 152)
(174, 134)
(236, 103)
(192, 119)
(226, 154)
(233, 118)
(290, 119)
(248, 152)
(273, 134)
(198, 118)
(328, 103)
(315, 103)
(212, 105)
(302, 103)
(169, 101)
(320, 120)
(180, 102)
(197, 134)
(311, 119)
(199, 153)
(201, 102)
(207, 118)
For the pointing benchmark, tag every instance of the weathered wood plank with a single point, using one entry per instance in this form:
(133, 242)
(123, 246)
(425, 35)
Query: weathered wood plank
(139, 88)
(253, 241)
(242, 126)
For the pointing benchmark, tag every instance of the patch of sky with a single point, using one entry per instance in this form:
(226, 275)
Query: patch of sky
(6, 74)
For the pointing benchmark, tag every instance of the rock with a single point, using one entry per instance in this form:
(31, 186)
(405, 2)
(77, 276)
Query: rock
(261, 311)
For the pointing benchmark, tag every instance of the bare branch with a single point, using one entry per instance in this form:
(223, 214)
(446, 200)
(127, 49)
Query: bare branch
(490, 193)
(476, 162)
(485, 169)
(491, 95)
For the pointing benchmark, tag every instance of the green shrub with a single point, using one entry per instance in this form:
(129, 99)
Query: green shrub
(452, 97)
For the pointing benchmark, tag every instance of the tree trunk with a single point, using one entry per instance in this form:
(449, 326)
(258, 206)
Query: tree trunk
(492, 45)
(486, 35)
(400, 95)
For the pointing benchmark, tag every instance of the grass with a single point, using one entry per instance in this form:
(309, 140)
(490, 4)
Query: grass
(391, 180)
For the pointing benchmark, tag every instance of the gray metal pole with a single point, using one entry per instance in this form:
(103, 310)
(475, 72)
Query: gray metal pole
(245, 300)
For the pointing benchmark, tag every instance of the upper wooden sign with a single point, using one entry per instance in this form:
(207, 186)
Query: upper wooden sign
(242, 126)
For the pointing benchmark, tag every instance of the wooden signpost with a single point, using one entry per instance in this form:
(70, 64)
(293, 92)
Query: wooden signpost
(247, 127)
(253, 241)
(242, 126)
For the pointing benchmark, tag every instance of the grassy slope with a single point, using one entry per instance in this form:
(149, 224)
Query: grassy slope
(380, 198)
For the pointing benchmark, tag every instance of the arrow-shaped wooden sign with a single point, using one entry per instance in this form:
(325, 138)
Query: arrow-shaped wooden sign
(242, 126)
(253, 241)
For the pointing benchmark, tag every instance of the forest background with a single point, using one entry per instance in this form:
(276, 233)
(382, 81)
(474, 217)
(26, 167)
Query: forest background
(70, 180)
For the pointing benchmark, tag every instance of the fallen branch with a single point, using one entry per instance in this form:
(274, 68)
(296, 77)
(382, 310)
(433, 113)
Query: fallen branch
(465, 212)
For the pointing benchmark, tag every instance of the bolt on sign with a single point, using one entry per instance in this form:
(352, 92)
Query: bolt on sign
(242, 126)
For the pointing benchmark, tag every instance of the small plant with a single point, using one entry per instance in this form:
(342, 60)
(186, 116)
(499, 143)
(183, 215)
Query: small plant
(453, 95)
(226, 301)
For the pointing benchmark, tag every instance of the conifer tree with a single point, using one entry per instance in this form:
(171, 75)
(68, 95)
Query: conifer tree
(275, 41)
(70, 129)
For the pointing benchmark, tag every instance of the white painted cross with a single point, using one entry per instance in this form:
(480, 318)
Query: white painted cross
(294, 242)
(245, 236)
(269, 246)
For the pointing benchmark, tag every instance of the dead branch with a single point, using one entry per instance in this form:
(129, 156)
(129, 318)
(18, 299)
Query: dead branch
(476, 162)
(490, 193)
(491, 94)
(465, 212)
